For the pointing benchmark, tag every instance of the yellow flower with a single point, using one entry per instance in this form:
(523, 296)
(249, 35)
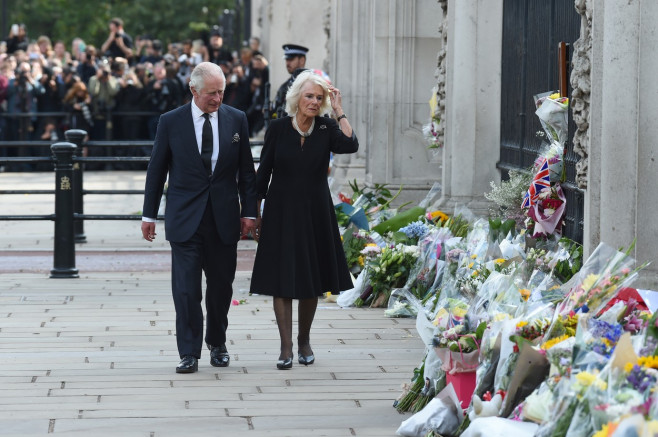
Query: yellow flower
(442, 313)
(552, 342)
(501, 316)
(525, 294)
(607, 430)
(371, 245)
(459, 312)
(439, 214)
(361, 262)
(499, 261)
(651, 362)
(470, 266)
(474, 256)
(554, 96)
(521, 324)
(589, 281)
(587, 379)
(628, 367)
(475, 273)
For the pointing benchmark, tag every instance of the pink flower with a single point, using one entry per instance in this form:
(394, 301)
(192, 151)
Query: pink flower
(625, 271)
(235, 302)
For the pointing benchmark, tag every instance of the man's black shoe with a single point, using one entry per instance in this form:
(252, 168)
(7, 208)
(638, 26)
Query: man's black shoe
(219, 356)
(188, 364)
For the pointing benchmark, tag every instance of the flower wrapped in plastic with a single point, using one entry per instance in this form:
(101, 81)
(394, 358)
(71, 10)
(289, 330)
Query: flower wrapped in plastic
(458, 348)
(388, 270)
(605, 272)
(553, 155)
(354, 241)
(546, 212)
(552, 111)
(426, 274)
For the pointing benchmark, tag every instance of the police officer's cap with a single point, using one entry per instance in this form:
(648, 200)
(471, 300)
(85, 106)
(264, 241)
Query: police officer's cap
(292, 50)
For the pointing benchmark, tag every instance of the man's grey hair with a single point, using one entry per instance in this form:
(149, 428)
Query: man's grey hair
(295, 92)
(201, 72)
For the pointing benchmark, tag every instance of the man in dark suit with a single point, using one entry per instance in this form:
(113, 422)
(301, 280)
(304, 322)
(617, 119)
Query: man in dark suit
(204, 148)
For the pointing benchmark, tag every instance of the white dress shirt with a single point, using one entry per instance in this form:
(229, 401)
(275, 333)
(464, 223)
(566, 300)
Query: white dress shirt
(197, 117)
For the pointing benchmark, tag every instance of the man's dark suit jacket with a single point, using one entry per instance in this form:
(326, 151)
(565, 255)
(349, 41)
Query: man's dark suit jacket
(231, 188)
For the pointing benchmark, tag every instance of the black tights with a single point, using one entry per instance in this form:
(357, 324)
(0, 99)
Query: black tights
(306, 312)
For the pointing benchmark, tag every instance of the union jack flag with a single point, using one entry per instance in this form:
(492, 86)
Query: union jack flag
(541, 180)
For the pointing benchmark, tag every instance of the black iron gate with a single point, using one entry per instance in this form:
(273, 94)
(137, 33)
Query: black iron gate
(532, 30)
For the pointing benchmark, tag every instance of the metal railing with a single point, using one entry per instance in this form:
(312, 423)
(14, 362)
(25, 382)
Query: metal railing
(69, 193)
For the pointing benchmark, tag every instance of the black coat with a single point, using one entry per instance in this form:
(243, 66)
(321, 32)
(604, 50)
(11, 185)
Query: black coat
(230, 188)
(300, 254)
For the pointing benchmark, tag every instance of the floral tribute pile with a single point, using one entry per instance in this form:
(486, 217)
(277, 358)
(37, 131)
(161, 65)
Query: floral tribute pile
(522, 334)
(519, 326)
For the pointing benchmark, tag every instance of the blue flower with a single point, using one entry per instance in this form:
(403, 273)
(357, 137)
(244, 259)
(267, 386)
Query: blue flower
(415, 229)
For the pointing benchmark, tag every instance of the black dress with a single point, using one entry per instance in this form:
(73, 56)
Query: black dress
(299, 254)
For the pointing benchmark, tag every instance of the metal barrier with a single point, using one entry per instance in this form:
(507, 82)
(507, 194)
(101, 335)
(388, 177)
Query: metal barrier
(69, 194)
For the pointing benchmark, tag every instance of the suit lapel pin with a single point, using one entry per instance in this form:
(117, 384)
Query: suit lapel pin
(323, 126)
(236, 138)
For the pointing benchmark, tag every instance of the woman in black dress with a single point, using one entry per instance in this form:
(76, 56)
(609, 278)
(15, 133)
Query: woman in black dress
(300, 255)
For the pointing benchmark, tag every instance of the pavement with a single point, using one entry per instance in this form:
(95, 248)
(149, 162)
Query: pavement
(95, 355)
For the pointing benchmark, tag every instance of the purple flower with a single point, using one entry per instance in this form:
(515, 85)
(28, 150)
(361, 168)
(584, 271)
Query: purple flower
(640, 379)
(633, 323)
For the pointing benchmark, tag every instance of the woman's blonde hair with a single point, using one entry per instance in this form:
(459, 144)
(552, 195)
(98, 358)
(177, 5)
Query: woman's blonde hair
(295, 92)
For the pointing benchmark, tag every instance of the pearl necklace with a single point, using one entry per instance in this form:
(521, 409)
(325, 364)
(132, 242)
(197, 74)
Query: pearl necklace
(301, 132)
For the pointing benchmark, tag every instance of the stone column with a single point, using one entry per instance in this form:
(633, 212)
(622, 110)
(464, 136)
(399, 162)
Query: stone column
(472, 124)
(405, 41)
(621, 201)
(350, 25)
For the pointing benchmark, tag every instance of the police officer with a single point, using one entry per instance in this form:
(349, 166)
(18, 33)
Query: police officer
(295, 57)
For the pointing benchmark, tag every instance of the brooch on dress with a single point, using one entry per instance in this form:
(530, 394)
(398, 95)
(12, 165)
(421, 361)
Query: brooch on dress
(236, 138)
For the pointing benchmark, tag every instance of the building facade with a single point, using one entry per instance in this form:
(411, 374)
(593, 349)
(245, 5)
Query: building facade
(386, 57)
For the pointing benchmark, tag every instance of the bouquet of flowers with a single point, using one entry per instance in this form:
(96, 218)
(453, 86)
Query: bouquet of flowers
(552, 113)
(601, 277)
(546, 212)
(429, 130)
(389, 269)
(426, 273)
(354, 241)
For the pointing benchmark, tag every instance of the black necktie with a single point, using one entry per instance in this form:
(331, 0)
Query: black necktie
(206, 144)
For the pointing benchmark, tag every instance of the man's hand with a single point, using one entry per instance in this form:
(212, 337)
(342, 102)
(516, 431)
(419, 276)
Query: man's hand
(247, 226)
(148, 231)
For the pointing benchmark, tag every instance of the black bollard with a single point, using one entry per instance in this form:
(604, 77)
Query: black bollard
(64, 252)
(76, 136)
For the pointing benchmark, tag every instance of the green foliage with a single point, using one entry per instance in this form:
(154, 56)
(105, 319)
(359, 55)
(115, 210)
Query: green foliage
(168, 20)
(565, 269)
(498, 229)
(377, 195)
(400, 220)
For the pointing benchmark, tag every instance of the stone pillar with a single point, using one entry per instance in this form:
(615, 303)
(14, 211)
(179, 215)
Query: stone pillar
(350, 26)
(621, 201)
(472, 124)
(405, 41)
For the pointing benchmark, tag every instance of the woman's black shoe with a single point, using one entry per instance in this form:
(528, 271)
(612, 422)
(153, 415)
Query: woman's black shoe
(306, 359)
(284, 364)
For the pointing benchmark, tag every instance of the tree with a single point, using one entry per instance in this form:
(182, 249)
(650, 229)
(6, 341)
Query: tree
(167, 20)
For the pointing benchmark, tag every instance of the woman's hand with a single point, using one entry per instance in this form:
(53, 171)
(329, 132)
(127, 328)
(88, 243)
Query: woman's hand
(336, 101)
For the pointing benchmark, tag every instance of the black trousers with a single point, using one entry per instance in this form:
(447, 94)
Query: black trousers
(204, 252)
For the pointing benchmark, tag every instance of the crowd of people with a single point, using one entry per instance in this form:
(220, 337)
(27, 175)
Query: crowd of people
(118, 90)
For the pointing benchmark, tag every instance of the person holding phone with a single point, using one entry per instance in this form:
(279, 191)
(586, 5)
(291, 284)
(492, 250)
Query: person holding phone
(17, 39)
